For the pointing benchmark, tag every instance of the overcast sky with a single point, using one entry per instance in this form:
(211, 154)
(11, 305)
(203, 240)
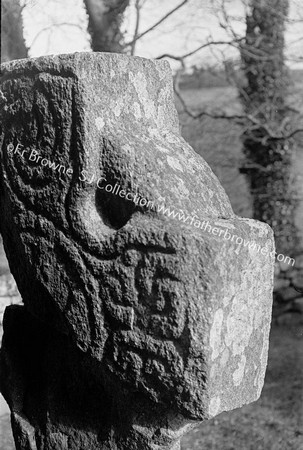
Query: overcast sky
(59, 26)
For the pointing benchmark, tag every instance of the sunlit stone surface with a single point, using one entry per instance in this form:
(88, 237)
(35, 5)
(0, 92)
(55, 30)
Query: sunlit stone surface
(138, 321)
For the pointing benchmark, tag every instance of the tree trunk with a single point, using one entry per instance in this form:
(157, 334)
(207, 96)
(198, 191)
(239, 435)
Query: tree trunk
(264, 97)
(104, 25)
(12, 40)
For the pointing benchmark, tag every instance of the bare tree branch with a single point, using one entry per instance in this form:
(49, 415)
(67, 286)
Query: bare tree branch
(207, 44)
(53, 25)
(138, 7)
(286, 136)
(155, 25)
(241, 119)
(227, 26)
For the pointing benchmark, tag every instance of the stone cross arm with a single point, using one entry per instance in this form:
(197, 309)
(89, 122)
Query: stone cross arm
(147, 301)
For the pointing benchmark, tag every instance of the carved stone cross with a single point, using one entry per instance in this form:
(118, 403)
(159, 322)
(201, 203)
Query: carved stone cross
(147, 302)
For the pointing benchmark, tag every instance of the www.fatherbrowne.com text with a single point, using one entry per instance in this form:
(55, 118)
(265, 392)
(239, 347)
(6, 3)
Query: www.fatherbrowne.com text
(180, 215)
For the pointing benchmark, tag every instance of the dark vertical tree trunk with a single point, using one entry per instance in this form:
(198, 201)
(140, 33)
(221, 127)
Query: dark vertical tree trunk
(264, 97)
(104, 25)
(12, 40)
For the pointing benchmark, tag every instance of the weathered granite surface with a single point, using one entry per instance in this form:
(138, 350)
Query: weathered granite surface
(137, 325)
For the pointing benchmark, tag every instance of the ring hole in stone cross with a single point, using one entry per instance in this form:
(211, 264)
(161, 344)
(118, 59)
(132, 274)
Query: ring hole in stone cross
(114, 210)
